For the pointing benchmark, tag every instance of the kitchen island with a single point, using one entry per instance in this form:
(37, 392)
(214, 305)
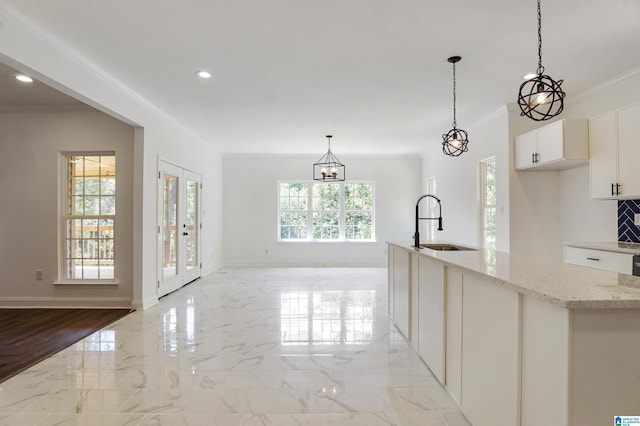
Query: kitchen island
(521, 342)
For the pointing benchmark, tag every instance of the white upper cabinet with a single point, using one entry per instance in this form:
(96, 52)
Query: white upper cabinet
(614, 151)
(556, 146)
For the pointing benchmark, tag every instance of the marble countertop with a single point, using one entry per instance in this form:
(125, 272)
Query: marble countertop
(569, 286)
(615, 246)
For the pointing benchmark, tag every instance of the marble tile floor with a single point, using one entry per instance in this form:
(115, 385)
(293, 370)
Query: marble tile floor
(242, 346)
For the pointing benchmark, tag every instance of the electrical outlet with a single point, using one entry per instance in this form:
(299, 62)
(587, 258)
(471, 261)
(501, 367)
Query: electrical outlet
(39, 274)
(636, 219)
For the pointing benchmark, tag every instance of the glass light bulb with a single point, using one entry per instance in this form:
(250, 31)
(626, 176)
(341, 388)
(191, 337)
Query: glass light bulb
(541, 98)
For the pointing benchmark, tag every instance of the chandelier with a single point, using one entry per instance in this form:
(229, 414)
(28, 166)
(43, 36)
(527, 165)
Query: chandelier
(329, 168)
(541, 97)
(455, 141)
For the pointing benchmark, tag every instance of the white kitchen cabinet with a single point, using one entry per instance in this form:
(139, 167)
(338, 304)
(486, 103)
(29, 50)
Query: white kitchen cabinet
(414, 298)
(490, 352)
(431, 326)
(556, 146)
(453, 331)
(401, 271)
(621, 263)
(629, 151)
(603, 150)
(614, 150)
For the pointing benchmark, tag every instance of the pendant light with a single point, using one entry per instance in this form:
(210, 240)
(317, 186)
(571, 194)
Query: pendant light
(455, 141)
(329, 168)
(541, 97)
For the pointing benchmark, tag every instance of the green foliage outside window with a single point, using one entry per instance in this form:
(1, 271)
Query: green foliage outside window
(326, 211)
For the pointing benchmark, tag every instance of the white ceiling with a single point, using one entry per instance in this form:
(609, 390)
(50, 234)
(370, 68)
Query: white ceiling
(373, 73)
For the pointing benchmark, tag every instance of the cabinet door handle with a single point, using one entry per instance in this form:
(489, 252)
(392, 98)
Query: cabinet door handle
(536, 156)
(612, 192)
(533, 158)
(593, 258)
(617, 189)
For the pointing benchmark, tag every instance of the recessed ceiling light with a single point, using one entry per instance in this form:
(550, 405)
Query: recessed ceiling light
(528, 76)
(24, 78)
(203, 74)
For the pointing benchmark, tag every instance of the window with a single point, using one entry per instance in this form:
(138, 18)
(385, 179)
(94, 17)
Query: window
(89, 216)
(310, 211)
(488, 202)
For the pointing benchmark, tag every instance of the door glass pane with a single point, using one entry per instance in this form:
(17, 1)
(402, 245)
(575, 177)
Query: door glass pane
(169, 236)
(191, 223)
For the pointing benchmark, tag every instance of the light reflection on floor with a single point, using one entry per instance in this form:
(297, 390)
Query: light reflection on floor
(252, 346)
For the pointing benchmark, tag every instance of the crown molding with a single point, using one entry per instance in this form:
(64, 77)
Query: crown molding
(10, 16)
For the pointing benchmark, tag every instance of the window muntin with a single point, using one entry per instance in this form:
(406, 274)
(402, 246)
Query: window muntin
(293, 206)
(358, 207)
(89, 219)
(326, 211)
(309, 211)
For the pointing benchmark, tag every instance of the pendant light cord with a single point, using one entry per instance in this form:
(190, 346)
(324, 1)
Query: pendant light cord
(540, 67)
(454, 95)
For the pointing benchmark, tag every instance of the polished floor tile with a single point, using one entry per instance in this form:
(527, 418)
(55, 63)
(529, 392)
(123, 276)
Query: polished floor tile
(242, 346)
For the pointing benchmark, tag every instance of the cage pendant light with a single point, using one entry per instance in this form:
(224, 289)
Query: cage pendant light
(541, 97)
(455, 141)
(329, 168)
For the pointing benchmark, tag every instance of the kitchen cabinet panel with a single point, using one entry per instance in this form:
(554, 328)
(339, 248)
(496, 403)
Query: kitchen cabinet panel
(431, 316)
(525, 148)
(551, 142)
(621, 263)
(556, 146)
(603, 150)
(414, 298)
(614, 151)
(490, 352)
(545, 363)
(629, 151)
(401, 271)
(453, 327)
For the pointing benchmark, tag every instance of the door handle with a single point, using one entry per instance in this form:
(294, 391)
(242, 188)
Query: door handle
(612, 186)
(593, 258)
(617, 189)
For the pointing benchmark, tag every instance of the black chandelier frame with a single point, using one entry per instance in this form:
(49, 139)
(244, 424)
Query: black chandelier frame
(455, 141)
(329, 168)
(541, 98)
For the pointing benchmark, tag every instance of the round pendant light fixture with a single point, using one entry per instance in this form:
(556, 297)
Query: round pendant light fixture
(329, 168)
(541, 97)
(455, 141)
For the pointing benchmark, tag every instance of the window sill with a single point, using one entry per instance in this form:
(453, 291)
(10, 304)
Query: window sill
(87, 283)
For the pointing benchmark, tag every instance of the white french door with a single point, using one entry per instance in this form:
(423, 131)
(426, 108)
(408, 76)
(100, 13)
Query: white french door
(179, 194)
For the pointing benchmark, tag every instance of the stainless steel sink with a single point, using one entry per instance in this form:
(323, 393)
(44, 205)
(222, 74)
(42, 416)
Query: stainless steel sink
(444, 247)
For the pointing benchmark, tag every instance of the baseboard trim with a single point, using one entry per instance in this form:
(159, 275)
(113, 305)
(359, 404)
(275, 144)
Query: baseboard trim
(141, 305)
(66, 302)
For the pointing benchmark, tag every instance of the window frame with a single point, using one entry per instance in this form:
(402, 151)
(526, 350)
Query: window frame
(309, 211)
(64, 214)
(483, 205)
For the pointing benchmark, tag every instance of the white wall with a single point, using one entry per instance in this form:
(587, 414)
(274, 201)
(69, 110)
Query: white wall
(582, 218)
(30, 144)
(250, 210)
(31, 50)
(534, 197)
(457, 181)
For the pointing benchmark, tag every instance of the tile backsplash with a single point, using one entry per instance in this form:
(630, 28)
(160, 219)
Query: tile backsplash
(627, 231)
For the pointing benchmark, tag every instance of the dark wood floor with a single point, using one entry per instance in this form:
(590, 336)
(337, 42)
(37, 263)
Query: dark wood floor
(28, 336)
